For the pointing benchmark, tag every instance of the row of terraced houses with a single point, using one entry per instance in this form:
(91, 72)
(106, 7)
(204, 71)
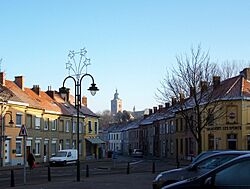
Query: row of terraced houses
(164, 133)
(50, 121)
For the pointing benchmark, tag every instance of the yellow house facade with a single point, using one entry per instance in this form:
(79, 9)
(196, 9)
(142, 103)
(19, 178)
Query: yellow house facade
(50, 122)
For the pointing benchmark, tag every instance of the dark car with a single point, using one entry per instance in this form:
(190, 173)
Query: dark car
(195, 169)
(204, 154)
(233, 174)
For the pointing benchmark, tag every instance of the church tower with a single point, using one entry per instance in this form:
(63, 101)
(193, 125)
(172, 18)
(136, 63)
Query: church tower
(116, 104)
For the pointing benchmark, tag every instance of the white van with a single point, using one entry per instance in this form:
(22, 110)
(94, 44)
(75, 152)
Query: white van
(64, 157)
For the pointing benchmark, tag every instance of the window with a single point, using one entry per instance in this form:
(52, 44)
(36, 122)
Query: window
(37, 122)
(74, 144)
(96, 127)
(53, 148)
(227, 177)
(80, 148)
(232, 116)
(53, 125)
(18, 147)
(46, 124)
(61, 144)
(37, 147)
(215, 161)
(210, 118)
(232, 141)
(61, 125)
(29, 121)
(67, 144)
(18, 120)
(67, 126)
(74, 127)
(90, 127)
(80, 127)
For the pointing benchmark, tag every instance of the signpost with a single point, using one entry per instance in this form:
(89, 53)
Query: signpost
(23, 133)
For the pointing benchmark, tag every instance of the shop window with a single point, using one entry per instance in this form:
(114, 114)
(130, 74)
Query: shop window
(210, 141)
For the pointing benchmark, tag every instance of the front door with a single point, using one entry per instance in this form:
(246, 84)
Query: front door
(7, 151)
(45, 152)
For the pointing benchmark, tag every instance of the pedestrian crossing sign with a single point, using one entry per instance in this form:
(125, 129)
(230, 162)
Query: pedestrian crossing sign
(23, 131)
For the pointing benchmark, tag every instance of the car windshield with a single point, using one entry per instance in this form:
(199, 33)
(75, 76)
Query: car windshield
(215, 161)
(61, 154)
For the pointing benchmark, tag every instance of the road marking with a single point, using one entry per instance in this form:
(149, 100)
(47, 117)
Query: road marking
(136, 162)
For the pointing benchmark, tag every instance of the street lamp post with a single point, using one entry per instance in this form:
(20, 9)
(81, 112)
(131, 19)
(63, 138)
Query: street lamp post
(77, 77)
(3, 133)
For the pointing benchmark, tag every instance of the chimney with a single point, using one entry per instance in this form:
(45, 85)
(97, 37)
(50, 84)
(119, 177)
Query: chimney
(182, 98)
(19, 81)
(167, 105)
(150, 111)
(246, 73)
(36, 89)
(216, 81)
(64, 95)
(173, 101)
(160, 108)
(2, 78)
(155, 109)
(84, 101)
(50, 93)
(203, 86)
(191, 91)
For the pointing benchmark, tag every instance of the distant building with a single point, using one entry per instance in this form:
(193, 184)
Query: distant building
(116, 104)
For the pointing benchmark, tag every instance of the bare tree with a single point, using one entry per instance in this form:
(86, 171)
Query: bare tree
(190, 84)
(232, 68)
(105, 118)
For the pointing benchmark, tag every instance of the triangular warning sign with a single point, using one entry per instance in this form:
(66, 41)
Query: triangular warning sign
(23, 131)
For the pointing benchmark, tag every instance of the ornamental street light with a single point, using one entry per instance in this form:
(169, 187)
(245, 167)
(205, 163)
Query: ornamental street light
(3, 137)
(77, 76)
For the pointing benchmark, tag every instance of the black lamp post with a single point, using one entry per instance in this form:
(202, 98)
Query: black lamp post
(3, 137)
(77, 78)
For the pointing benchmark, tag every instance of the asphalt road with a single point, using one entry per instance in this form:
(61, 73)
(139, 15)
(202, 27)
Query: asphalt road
(102, 174)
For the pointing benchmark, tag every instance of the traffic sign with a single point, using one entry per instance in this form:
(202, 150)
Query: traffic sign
(23, 131)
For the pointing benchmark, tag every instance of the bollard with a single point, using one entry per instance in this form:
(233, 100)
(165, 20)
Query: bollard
(49, 175)
(87, 170)
(12, 180)
(178, 164)
(153, 167)
(128, 168)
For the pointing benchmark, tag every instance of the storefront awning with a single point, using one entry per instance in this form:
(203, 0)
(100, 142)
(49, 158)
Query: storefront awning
(95, 140)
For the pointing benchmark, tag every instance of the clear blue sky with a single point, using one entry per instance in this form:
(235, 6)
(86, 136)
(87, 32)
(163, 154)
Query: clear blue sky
(131, 43)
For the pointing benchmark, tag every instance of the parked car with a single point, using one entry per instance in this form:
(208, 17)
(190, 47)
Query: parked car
(195, 169)
(204, 154)
(232, 174)
(137, 153)
(64, 157)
